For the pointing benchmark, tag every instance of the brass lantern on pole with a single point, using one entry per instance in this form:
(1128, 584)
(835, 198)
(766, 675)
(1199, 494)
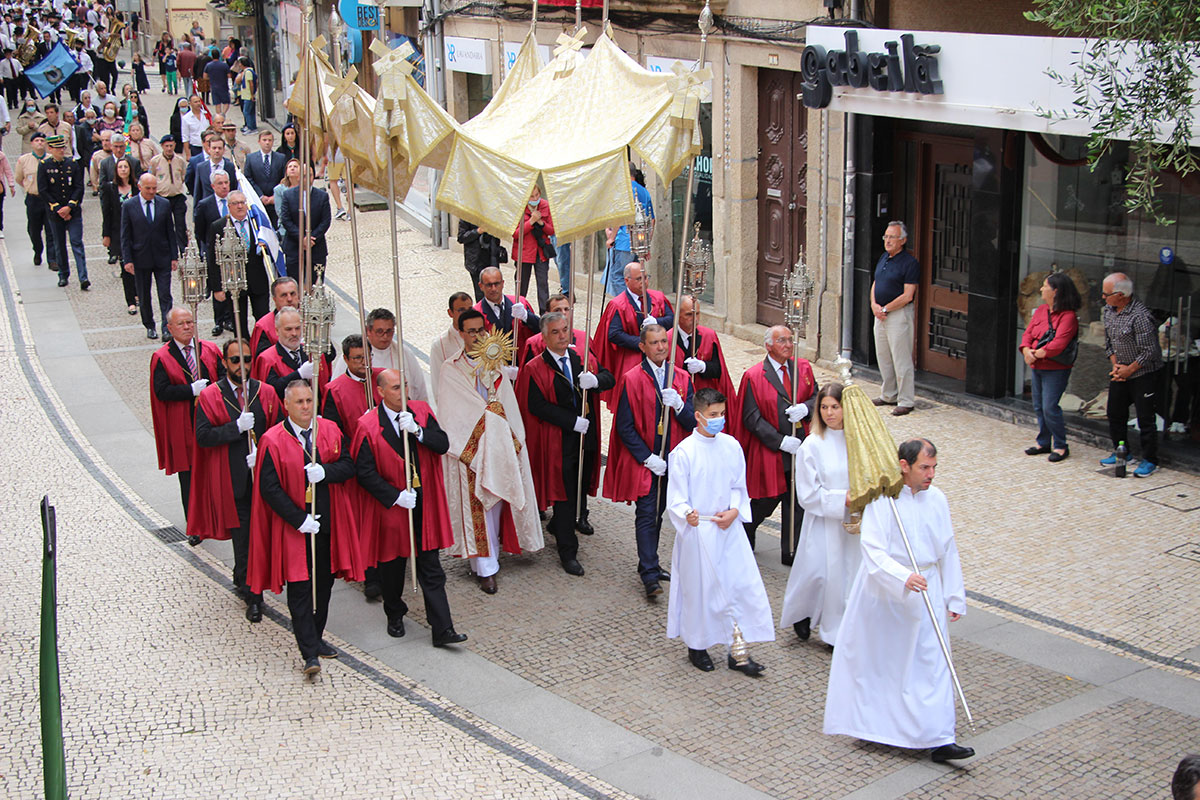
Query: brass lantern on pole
(696, 264)
(797, 288)
(193, 277)
(640, 232)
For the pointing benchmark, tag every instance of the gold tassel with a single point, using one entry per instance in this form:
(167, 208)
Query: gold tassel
(308, 494)
(416, 479)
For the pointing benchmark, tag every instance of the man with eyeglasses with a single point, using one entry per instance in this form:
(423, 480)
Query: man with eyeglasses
(231, 415)
(893, 291)
(509, 313)
(257, 280)
(775, 394)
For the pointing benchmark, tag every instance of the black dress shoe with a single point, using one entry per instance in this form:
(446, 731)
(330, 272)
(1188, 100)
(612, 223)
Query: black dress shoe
(751, 667)
(163, 332)
(653, 589)
(62, 282)
(112, 259)
(372, 591)
(52, 266)
(326, 650)
(951, 752)
(1036, 451)
(572, 567)
(803, 628)
(229, 327)
(216, 331)
(700, 660)
(663, 575)
(312, 666)
(449, 637)
(584, 527)
(786, 560)
(85, 285)
(254, 611)
(194, 540)
(151, 333)
(879, 401)
(396, 629)
(37, 259)
(1054, 458)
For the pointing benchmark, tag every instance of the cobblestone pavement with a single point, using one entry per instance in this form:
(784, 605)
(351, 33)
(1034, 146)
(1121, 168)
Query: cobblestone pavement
(1073, 555)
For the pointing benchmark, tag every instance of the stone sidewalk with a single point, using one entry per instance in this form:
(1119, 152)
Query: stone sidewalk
(1078, 652)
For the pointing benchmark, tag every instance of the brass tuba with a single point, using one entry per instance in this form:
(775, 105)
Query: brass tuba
(27, 49)
(112, 45)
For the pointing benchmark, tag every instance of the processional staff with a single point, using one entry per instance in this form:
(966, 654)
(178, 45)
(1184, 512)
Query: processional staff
(797, 287)
(316, 314)
(230, 253)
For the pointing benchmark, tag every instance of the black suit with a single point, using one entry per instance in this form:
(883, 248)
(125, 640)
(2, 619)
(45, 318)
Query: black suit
(168, 392)
(264, 177)
(258, 285)
(561, 411)
(204, 216)
(108, 169)
(151, 247)
(772, 437)
(242, 477)
(198, 178)
(429, 568)
(84, 146)
(506, 322)
(290, 371)
(289, 219)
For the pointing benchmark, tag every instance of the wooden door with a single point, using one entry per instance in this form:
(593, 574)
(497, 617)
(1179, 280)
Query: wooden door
(939, 220)
(782, 186)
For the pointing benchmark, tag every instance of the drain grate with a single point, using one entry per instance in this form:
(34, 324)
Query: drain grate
(1179, 496)
(169, 535)
(1190, 551)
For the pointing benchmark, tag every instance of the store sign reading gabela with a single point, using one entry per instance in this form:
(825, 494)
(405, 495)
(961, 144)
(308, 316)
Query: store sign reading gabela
(905, 67)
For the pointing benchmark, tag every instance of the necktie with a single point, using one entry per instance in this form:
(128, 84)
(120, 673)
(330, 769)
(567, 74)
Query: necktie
(191, 361)
(265, 157)
(241, 229)
(396, 422)
(149, 211)
(566, 368)
(308, 448)
(221, 207)
(238, 393)
(787, 380)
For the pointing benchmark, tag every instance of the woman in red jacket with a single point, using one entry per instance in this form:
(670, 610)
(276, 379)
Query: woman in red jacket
(531, 254)
(1051, 331)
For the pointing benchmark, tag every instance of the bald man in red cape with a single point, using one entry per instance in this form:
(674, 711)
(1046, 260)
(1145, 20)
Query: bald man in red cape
(378, 452)
(636, 470)
(179, 371)
(616, 343)
(223, 468)
(773, 424)
(281, 524)
(285, 293)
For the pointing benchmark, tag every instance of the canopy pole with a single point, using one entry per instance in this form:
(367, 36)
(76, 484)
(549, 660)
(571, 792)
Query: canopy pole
(587, 327)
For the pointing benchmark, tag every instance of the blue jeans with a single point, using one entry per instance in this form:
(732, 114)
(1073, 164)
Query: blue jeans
(647, 526)
(1048, 388)
(248, 114)
(59, 230)
(614, 280)
(562, 258)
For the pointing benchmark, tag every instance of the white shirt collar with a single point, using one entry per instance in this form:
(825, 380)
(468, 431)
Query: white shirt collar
(181, 345)
(777, 365)
(296, 429)
(637, 301)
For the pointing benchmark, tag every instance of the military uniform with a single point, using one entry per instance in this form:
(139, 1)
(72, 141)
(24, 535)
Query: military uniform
(60, 183)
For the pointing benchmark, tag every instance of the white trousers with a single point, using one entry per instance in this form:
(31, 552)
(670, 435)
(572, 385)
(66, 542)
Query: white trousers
(490, 564)
(894, 349)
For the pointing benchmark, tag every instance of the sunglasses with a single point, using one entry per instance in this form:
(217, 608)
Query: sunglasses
(238, 359)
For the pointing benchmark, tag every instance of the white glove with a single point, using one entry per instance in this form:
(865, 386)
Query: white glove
(251, 457)
(245, 421)
(790, 444)
(649, 320)
(796, 413)
(520, 312)
(314, 472)
(510, 372)
(672, 400)
(310, 524)
(588, 381)
(198, 386)
(695, 365)
(306, 371)
(582, 424)
(407, 423)
(656, 465)
(406, 499)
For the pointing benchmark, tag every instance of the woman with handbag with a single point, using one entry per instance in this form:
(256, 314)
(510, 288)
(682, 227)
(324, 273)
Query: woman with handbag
(532, 251)
(1049, 346)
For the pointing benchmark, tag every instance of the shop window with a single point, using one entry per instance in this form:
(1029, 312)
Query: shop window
(702, 205)
(479, 93)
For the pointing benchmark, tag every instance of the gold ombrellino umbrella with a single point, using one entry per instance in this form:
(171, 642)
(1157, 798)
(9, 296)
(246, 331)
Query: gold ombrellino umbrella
(874, 472)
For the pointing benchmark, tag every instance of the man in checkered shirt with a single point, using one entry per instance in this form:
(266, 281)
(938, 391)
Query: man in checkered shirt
(1131, 344)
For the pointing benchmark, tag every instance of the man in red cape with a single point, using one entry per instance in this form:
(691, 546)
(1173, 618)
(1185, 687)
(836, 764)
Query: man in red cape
(287, 360)
(550, 390)
(698, 351)
(179, 371)
(285, 293)
(222, 471)
(578, 341)
(510, 313)
(344, 399)
(636, 469)
(617, 342)
(773, 424)
(378, 452)
(282, 524)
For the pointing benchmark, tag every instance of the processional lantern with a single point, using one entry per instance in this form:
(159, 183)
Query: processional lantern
(696, 264)
(640, 232)
(230, 252)
(192, 277)
(797, 288)
(317, 309)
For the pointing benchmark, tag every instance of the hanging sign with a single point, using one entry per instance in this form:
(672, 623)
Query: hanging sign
(358, 15)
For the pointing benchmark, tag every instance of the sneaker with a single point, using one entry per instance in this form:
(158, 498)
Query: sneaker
(341, 214)
(1111, 461)
(1176, 427)
(1145, 470)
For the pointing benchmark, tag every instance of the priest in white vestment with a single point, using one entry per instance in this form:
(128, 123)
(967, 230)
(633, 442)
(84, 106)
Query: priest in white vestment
(385, 354)
(715, 577)
(489, 485)
(889, 682)
(449, 344)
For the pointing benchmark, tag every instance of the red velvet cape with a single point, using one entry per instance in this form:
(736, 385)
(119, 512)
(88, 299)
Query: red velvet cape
(625, 480)
(211, 508)
(351, 399)
(277, 550)
(764, 467)
(270, 361)
(174, 434)
(704, 350)
(263, 327)
(616, 359)
(543, 439)
(521, 334)
(383, 532)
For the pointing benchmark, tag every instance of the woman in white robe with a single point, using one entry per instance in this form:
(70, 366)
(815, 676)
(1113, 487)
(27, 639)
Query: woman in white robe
(828, 558)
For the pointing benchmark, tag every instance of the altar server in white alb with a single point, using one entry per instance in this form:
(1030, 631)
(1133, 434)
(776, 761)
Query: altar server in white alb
(829, 556)
(889, 682)
(716, 579)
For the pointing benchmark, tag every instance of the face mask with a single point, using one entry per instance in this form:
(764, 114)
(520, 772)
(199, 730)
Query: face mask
(533, 203)
(714, 425)
(108, 112)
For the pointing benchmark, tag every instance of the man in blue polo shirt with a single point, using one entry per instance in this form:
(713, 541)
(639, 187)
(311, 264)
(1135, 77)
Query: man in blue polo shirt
(892, 294)
(621, 251)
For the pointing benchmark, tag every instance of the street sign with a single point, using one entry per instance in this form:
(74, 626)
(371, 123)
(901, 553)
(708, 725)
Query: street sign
(360, 16)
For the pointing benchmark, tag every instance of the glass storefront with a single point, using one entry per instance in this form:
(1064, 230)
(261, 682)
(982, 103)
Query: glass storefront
(1074, 220)
(702, 203)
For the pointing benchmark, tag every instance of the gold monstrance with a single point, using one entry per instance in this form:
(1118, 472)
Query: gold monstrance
(492, 351)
